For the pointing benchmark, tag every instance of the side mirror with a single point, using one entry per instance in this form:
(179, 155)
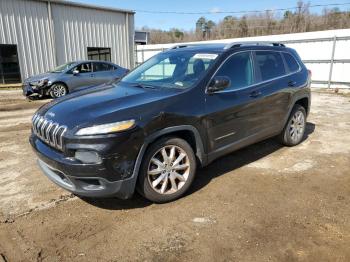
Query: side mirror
(75, 72)
(219, 83)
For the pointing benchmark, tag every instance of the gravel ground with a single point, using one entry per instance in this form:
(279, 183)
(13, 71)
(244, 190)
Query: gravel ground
(261, 203)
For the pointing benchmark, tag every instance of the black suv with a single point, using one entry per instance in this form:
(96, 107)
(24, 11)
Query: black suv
(181, 109)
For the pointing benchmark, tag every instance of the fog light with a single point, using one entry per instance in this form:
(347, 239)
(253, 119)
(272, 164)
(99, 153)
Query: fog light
(88, 157)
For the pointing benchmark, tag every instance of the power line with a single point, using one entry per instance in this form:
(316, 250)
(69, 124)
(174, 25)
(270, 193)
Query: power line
(239, 12)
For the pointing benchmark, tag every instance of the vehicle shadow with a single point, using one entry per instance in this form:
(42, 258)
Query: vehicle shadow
(240, 158)
(204, 175)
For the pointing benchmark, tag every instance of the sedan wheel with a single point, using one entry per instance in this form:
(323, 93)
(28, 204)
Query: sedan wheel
(58, 90)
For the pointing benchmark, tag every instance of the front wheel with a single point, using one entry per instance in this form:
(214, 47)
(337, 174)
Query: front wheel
(167, 170)
(58, 90)
(294, 130)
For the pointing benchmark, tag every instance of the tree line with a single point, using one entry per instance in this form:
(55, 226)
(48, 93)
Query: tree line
(256, 24)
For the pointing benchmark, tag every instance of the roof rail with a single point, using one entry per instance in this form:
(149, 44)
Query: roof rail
(261, 43)
(178, 46)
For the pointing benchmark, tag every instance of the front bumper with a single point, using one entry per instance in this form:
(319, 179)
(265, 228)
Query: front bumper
(91, 186)
(29, 90)
(90, 180)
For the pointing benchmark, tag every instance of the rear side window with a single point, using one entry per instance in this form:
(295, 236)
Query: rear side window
(270, 64)
(239, 69)
(292, 64)
(98, 67)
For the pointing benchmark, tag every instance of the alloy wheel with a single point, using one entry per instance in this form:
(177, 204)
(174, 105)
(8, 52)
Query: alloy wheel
(168, 170)
(297, 126)
(59, 90)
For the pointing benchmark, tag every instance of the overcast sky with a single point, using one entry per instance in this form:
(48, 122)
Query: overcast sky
(166, 21)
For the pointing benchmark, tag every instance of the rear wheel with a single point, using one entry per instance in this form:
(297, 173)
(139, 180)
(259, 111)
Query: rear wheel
(58, 90)
(167, 170)
(294, 130)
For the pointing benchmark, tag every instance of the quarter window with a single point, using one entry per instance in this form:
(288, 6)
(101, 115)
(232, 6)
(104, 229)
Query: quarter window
(270, 64)
(292, 64)
(239, 69)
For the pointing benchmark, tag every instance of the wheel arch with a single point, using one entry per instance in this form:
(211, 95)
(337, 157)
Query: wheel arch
(188, 133)
(179, 131)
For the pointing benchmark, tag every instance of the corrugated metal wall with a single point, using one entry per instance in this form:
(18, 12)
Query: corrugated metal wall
(42, 46)
(26, 24)
(77, 28)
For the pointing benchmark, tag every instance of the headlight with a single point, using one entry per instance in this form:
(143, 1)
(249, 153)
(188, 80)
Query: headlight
(43, 82)
(106, 128)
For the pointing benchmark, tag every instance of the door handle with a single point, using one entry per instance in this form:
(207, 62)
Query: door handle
(255, 94)
(292, 83)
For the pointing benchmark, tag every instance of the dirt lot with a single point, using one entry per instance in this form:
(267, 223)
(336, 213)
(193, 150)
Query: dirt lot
(262, 203)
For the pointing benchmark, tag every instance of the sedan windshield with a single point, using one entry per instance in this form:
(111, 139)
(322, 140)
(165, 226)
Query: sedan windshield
(63, 67)
(179, 69)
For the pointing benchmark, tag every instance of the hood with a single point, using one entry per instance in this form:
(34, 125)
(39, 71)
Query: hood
(102, 104)
(36, 78)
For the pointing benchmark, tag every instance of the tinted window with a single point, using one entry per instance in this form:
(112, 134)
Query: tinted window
(239, 69)
(291, 62)
(270, 64)
(102, 67)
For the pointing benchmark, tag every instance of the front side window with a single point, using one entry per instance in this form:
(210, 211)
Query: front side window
(83, 68)
(179, 69)
(270, 64)
(239, 69)
(292, 64)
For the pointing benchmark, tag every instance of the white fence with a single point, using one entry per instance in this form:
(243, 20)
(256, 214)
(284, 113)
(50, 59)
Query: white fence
(325, 53)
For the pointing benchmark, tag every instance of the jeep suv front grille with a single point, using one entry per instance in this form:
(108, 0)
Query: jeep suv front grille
(48, 131)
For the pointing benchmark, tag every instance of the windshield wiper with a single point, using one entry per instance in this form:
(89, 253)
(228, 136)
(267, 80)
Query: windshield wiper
(142, 85)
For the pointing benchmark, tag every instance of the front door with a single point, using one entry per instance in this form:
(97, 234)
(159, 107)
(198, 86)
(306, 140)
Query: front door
(84, 76)
(234, 115)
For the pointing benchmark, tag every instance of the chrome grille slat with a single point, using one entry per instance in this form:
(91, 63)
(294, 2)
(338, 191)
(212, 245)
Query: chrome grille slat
(48, 131)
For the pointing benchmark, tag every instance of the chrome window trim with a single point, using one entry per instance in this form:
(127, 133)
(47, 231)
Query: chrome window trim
(255, 84)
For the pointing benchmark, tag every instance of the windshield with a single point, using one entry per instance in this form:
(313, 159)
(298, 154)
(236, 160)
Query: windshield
(180, 69)
(62, 68)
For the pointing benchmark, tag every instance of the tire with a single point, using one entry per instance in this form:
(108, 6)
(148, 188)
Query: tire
(158, 180)
(58, 90)
(294, 130)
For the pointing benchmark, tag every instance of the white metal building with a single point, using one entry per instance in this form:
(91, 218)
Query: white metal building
(37, 35)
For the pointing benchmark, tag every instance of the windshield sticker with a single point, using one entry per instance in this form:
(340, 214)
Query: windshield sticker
(205, 56)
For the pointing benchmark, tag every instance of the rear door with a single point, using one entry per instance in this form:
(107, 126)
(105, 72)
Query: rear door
(103, 72)
(234, 115)
(274, 84)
